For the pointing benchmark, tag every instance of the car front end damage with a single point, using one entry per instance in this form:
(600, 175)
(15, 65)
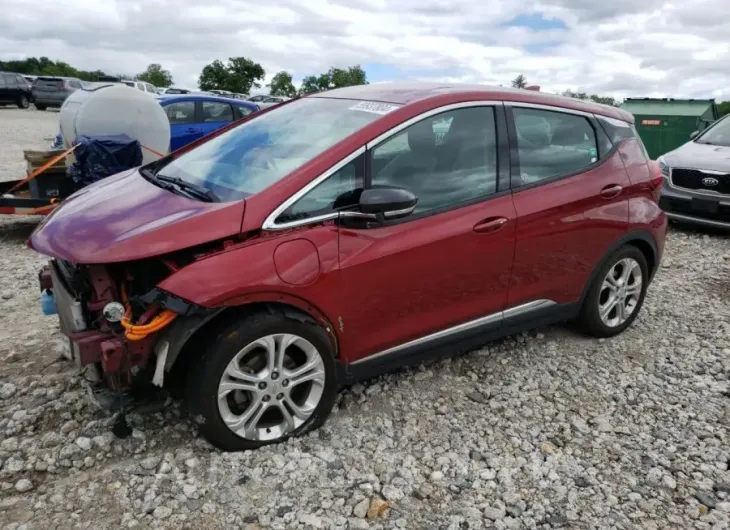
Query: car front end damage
(122, 330)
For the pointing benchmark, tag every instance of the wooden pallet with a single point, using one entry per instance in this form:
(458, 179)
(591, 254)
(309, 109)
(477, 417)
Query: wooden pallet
(37, 159)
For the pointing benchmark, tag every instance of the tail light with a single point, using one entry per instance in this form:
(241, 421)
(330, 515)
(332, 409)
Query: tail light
(656, 174)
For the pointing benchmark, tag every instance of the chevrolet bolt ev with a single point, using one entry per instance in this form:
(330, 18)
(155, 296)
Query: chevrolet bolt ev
(697, 178)
(335, 236)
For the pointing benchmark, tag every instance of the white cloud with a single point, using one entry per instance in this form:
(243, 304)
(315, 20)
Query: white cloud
(622, 48)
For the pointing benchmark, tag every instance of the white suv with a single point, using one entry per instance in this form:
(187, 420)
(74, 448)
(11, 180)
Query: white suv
(141, 85)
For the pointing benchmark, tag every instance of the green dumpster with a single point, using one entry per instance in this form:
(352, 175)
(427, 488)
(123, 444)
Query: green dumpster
(665, 124)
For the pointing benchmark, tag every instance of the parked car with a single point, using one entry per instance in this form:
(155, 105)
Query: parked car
(697, 178)
(173, 90)
(335, 238)
(30, 78)
(141, 85)
(270, 101)
(192, 116)
(52, 91)
(15, 90)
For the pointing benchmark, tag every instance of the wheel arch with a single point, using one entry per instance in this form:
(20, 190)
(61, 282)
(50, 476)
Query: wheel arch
(640, 239)
(187, 336)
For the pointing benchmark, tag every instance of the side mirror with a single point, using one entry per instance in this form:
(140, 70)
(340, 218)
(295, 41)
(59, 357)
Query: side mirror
(693, 135)
(383, 203)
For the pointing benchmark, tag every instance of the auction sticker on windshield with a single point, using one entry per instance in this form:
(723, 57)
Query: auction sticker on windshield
(374, 107)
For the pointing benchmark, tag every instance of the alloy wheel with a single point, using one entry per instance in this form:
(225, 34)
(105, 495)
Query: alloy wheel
(271, 387)
(620, 292)
(23, 102)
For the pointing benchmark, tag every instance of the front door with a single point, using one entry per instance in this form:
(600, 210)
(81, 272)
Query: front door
(571, 196)
(183, 125)
(446, 265)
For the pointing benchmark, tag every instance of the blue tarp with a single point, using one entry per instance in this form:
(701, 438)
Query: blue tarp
(98, 157)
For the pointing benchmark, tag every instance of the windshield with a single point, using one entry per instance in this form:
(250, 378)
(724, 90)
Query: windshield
(719, 134)
(256, 154)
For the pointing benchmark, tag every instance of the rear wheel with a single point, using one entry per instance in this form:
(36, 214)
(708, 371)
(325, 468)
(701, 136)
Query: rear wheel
(23, 102)
(40, 107)
(261, 381)
(617, 294)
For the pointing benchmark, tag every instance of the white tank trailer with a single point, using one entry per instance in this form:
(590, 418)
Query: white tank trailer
(106, 109)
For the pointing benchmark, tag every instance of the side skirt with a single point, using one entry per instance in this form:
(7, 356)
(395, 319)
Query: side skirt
(442, 345)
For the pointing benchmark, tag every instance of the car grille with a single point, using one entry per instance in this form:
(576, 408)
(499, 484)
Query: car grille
(692, 179)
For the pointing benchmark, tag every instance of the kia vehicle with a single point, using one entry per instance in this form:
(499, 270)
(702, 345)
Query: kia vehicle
(697, 178)
(192, 116)
(14, 90)
(334, 238)
(52, 91)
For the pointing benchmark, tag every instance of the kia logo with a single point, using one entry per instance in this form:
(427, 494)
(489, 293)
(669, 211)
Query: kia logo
(710, 181)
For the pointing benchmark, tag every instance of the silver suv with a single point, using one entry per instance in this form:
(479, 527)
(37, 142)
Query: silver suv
(52, 91)
(697, 178)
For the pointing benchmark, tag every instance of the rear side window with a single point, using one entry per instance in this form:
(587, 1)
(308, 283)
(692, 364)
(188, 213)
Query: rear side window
(180, 112)
(20, 79)
(10, 79)
(552, 144)
(243, 111)
(618, 130)
(74, 84)
(214, 111)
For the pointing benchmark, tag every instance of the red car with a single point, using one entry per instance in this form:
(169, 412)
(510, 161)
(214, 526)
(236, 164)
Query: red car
(335, 236)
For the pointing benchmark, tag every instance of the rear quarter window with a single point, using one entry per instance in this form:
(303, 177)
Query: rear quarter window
(619, 130)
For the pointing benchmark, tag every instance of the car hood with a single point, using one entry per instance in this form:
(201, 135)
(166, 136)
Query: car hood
(700, 156)
(126, 218)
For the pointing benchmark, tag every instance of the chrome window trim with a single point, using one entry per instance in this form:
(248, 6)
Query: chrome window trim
(550, 108)
(466, 326)
(439, 110)
(270, 221)
(709, 193)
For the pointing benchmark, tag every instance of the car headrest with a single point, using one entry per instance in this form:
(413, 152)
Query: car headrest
(421, 137)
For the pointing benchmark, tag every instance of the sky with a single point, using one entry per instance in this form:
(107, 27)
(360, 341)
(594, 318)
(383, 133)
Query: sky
(620, 48)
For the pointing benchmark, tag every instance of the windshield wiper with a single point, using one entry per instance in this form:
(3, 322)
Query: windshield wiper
(193, 189)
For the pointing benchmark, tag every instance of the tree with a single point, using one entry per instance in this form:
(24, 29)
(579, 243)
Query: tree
(605, 100)
(334, 78)
(282, 85)
(519, 82)
(239, 75)
(156, 75)
(723, 108)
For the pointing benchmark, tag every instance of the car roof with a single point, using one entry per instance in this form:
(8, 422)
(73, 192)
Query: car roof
(408, 93)
(204, 97)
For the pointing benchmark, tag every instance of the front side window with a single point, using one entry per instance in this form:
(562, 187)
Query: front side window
(551, 144)
(446, 159)
(9, 79)
(261, 151)
(718, 134)
(180, 112)
(214, 111)
(334, 193)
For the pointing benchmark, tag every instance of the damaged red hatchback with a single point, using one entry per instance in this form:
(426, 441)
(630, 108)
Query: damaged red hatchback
(335, 236)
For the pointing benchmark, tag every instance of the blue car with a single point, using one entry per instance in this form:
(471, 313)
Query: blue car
(195, 115)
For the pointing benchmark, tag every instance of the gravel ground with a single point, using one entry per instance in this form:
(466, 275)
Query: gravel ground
(542, 430)
(23, 129)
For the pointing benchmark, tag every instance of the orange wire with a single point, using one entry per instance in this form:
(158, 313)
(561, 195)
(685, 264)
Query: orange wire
(133, 332)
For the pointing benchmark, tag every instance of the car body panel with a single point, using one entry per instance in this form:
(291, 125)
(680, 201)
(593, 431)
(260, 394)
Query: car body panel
(139, 220)
(563, 230)
(52, 91)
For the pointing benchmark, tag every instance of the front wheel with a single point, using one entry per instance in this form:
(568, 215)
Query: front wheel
(617, 294)
(261, 381)
(23, 102)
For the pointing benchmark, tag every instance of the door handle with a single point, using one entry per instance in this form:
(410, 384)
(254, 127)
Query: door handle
(611, 191)
(491, 224)
(191, 129)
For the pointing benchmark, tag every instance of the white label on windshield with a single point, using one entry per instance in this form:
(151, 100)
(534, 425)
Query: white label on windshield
(374, 107)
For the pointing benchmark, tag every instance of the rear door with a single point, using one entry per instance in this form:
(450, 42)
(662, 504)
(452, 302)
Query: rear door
(571, 194)
(214, 115)
(183, 123)
(4, 90)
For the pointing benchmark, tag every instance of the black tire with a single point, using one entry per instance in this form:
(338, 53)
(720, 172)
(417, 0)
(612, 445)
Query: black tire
(206, 371)
(40, 107)
(23, 102)
(589, 320)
